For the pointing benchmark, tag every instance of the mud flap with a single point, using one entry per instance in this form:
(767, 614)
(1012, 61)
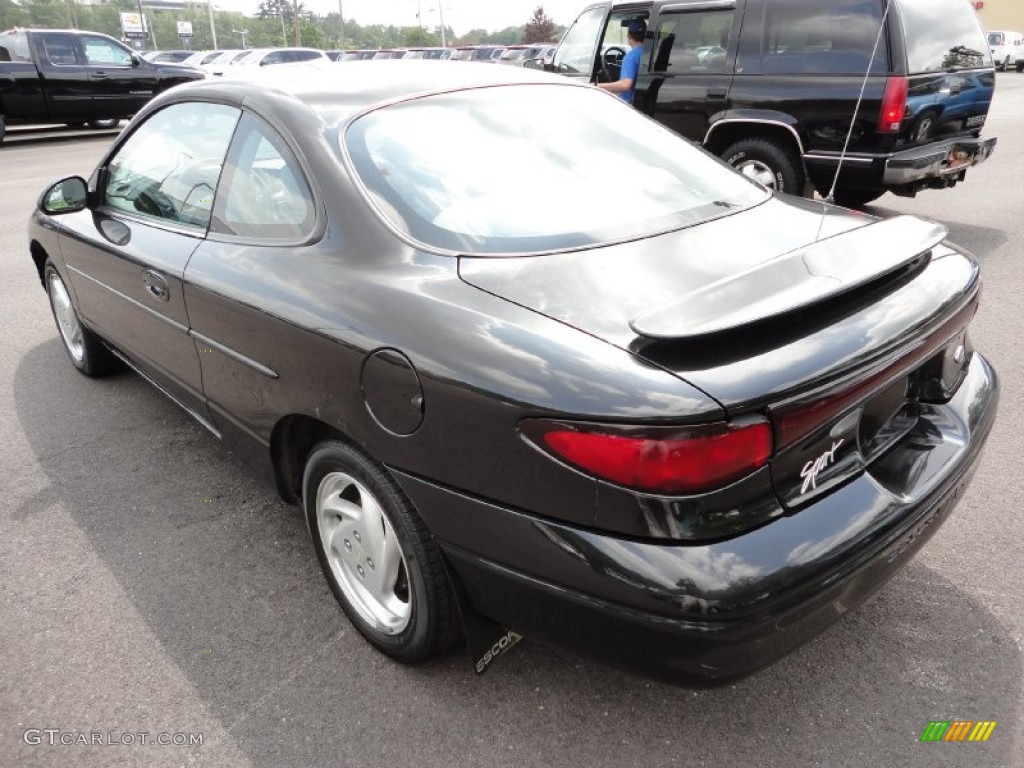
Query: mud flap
(486, 640)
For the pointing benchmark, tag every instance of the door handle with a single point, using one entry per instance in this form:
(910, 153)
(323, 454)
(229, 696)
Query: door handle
(155, 285)
(717, 94)
(100, 75)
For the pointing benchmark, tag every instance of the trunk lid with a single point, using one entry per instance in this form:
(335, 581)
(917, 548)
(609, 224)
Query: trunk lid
(829, 337)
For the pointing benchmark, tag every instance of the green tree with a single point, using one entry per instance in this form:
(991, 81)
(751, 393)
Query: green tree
(539, 29)
(12, 15)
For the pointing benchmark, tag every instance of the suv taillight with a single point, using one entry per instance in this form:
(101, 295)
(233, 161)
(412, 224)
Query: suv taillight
(659, 460)
(894, 104)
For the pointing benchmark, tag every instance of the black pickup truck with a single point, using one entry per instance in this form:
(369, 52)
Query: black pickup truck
(772, 86)
(76, 77)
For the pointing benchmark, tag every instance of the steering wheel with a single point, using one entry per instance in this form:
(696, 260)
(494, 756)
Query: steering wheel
(611, 58)
(155, 203)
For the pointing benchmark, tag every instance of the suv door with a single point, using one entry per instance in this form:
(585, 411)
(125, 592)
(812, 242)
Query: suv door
(126, 255)
(692, 54)
(122, 84)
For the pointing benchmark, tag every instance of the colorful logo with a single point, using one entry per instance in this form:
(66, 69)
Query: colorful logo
(958, 730)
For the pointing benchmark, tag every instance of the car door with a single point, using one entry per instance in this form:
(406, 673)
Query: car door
(576, 54)
(65, 77)
(122, 83)
(126, 256)
(690, 72)
(241, 279)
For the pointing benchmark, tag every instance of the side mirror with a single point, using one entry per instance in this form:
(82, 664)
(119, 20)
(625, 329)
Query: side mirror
(136, 60)
(66, 196)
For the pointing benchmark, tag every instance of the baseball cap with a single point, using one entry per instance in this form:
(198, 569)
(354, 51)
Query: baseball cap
(637, 28)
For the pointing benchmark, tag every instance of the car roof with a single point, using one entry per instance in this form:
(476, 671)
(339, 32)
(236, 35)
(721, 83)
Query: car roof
(364, 85)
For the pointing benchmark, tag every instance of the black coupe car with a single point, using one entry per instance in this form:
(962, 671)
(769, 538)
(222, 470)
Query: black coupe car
(671, 420)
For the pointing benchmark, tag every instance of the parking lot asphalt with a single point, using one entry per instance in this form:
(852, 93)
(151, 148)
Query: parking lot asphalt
(149, 585)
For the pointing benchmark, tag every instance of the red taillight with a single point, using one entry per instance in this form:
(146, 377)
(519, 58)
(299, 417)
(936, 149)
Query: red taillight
(677, 461)
(894, 104)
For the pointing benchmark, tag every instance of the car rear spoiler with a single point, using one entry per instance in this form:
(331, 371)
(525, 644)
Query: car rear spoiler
(797, 280)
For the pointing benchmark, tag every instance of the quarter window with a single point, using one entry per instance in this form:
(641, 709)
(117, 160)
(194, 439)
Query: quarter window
(264, 195)
(102, 52)
(692, 43)
(823, 37)
(168, 169)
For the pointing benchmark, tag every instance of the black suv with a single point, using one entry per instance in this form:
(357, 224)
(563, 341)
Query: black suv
(772, 86)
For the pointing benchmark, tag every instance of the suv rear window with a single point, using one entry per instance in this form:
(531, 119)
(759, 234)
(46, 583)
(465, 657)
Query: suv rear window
(943, 35)
(475, 172)
(824, 37)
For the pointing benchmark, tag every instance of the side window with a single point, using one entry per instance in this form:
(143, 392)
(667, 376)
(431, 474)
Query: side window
(102, 52)
(59, 49)
(824, 37)
(275, 57)
(692, 43)
(264, 195)
(304, 55)
(168, 169)
(575, 53)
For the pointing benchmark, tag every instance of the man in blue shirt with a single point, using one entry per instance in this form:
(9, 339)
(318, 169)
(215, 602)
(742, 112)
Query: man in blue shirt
(630, 69)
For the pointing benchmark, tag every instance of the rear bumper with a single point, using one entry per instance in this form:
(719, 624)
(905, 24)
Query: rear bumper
(936, 161)
(934, 165)
(713, 612)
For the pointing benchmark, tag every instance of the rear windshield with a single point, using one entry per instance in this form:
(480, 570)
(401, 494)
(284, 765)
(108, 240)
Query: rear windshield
(476, 172)
(943, 35)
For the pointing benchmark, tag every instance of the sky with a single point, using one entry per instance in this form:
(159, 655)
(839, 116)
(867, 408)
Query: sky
(460, 15)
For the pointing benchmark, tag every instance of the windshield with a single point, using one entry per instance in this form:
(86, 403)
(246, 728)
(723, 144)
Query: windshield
(943, 35)
(475, 172)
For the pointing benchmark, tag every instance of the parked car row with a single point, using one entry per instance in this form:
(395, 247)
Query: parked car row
(214, 62)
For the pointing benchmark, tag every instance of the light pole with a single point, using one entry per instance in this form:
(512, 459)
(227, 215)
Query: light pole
(213, 29)
(440, 15)
(243, 33)
(341, 17)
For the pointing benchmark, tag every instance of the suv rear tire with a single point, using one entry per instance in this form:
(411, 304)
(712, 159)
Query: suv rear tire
(856, 198)
(768, 161)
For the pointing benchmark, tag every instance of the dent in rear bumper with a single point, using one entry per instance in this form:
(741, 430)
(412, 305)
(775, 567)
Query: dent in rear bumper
(935, 160)
(702, 612)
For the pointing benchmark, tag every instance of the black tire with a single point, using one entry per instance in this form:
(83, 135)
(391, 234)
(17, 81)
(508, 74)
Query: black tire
(85, 351)
(781, 161)
(432, 620)
(104, 124)
(1020, 66)
(3, 128)
(856, 198)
